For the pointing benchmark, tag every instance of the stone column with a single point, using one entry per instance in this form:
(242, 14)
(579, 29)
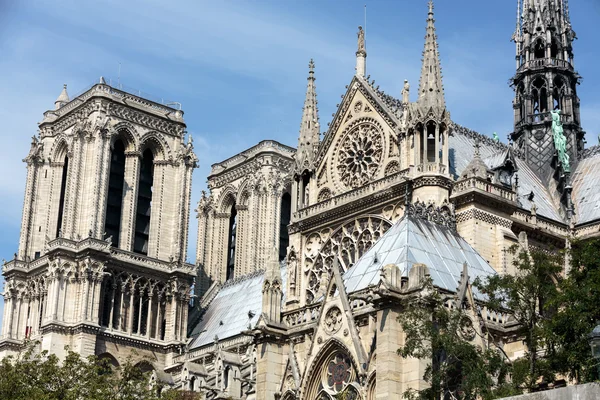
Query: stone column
(158, 317)
(112, 306)
(10, 311)
(86, 295)
(149, 316)
(56, 294)
(131, 310)
(269, 368)
(122, 308)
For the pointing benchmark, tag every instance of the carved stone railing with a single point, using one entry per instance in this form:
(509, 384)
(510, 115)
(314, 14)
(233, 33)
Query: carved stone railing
(587, 230)
(302, 316)
(540, 222)
(251, 152)
(484, 186)
(111, 92)
(208, 348)
(545, 62)
(542, 117)
(435, 168)
(353, 195)
(148, 262)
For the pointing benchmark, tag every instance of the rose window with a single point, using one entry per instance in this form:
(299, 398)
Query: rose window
(360, 154)
(339, 372)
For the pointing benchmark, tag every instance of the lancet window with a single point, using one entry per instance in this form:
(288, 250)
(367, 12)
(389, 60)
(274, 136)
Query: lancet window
(231, 243)
(284, 221)
(144, 203)
(63, 189)
(114, 205)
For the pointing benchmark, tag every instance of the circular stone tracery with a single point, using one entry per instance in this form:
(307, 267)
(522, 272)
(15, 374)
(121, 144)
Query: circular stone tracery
(339, 372)
(333, 320)
(360, 154)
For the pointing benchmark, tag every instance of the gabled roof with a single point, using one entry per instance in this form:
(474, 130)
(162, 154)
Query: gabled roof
(412, 241)
(586, 187)
(229, 312)
(462, 151)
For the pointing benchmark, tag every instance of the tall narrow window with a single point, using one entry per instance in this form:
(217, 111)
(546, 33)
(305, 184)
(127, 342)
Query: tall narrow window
(63, 189)
(284, 221)
(431, 143)
(231, 243)
(114, 204)
(144, 203)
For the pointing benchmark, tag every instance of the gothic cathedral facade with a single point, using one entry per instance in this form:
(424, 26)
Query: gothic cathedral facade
(305, 255)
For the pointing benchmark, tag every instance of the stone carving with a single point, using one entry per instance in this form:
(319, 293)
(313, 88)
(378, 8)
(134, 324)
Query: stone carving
(560, 141)
(361, 40)
(292, 263)
(438, 215)
(324, 195)
(333, 320)
(360, 155)
(406, 92)
(358, 106)
(349, 242)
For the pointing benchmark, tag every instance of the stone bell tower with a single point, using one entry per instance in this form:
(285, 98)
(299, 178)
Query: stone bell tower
(427, 124)
(545, 81)
(101, 260)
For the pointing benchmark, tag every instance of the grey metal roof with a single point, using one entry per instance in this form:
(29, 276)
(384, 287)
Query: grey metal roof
(586, 188)
(413, 241)
(227, 315)
(462, 150)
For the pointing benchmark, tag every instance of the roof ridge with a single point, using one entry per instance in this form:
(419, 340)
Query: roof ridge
(242, 278)
(394, 104)
(486, 140)
(590, 152)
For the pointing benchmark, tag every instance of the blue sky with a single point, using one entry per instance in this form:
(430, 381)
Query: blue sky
(239, 67)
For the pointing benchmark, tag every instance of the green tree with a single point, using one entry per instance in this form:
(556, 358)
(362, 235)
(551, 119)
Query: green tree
(529, 297)
(578, 311)
(42, 376)
(458, 368)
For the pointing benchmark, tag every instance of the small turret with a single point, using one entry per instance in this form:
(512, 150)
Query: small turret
(62, 99)
(272, 289)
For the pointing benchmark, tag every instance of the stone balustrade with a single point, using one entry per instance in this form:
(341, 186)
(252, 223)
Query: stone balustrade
(485, 186)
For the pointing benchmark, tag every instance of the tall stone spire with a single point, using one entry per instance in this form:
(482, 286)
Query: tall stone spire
(361, 53)
(309, 138)
(431, 90)
(62, 99)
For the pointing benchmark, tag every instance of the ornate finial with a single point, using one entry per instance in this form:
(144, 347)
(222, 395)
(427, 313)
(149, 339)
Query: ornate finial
(477, 146)
(311, 66)
(430, 6)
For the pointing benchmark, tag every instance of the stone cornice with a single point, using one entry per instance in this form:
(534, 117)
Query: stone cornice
(263, 147)
(373, 194)
(116, 103)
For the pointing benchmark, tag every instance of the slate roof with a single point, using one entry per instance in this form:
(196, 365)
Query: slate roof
(462, 150)
(586, 186)
(412, 241)
(227, 315)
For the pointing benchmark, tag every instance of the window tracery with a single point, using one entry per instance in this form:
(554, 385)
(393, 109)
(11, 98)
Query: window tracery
(348, 243)
(360, 154)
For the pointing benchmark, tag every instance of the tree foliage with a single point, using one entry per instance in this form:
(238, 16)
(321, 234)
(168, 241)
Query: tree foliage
(458, 367)
(553, 313)
(41, 376)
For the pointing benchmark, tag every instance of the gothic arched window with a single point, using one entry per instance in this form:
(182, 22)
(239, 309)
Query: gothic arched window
(144, 203)
(539, 50)
(231, 243)
(284, 221)
(63, 189)
(114, 204)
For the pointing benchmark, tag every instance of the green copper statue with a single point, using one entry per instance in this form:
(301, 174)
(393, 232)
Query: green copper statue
(560, 141)
(496, 138)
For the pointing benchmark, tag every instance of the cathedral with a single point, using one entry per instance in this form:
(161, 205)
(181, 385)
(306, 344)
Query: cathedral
(306, 256)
